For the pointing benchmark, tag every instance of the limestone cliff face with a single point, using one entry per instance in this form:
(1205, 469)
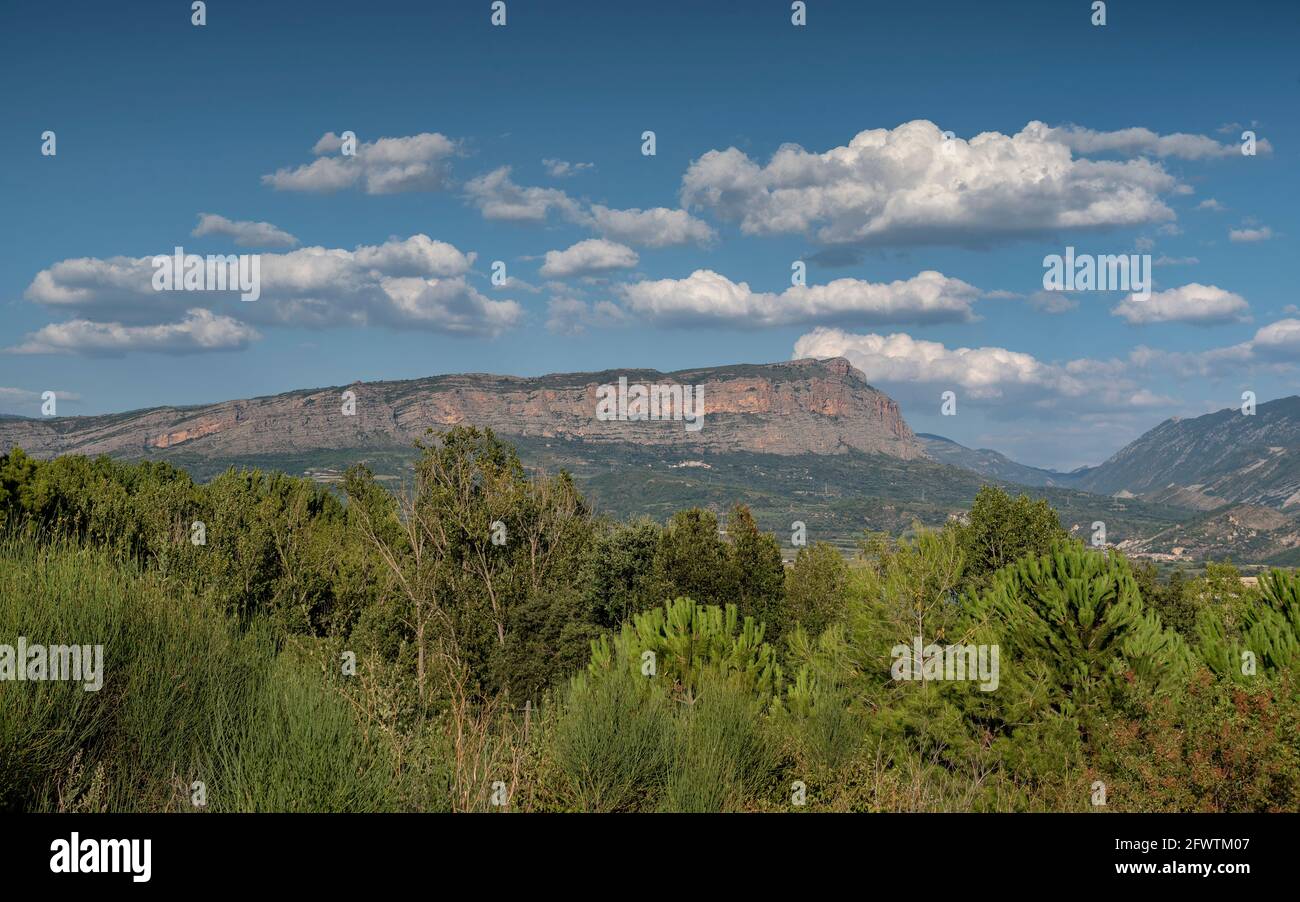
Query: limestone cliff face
(803, 406)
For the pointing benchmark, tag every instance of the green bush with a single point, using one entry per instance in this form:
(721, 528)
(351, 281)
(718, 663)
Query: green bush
(613, 742)
(188, 695)
(723, 756)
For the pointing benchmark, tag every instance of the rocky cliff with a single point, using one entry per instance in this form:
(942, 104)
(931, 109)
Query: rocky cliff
(799, 407)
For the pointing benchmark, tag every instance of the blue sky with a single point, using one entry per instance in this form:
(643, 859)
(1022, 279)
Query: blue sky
(924, 261)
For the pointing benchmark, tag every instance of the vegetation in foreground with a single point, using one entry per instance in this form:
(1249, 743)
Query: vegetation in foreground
(484, 642)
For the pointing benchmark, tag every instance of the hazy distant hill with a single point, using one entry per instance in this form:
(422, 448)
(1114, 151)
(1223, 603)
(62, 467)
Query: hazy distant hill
(1240, 472)
(1242, 532)
(988, 462)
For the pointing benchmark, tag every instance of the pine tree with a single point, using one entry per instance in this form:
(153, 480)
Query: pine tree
(686, 639)
(1268, 638)
(1076, 619)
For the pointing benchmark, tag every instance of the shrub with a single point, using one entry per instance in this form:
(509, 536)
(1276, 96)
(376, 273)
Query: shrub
(188, 695)
(685, 639)
(1216, 747)
(723, 757)
(613, 742)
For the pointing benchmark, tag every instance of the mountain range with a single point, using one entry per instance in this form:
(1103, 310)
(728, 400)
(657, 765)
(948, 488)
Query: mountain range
(1204, 463)
(806, 440)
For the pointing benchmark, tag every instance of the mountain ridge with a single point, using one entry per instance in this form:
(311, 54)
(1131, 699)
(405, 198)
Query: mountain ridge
(1219, 458)
(1200, 463)
(988, 462)
(793, 407)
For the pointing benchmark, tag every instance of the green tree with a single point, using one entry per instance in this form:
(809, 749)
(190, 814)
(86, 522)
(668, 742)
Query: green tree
(1171, 599)
(17, 472)
(617, 571)
(1000, 530)
(1072, 629)
(548, 639)
(759, 571)
(816, 587)
(475, 551)
(908, 587)
(692, 560)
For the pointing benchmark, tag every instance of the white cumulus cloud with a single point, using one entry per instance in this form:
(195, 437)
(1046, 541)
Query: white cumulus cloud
(498, 197)
(1205, 305)
(1280, 339)
(244, 233)
(595, 255)
(910, 185)
(415, 282)
(384, 166)
(200, 330)
(706, 297)
(1008, 383)
(656, 227)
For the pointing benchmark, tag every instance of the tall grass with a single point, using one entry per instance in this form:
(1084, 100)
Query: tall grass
(623, 743)
(723, 758)
(188, 696)
(613, 742)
